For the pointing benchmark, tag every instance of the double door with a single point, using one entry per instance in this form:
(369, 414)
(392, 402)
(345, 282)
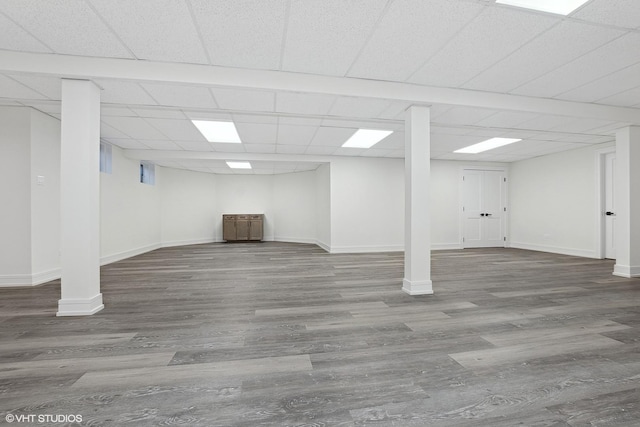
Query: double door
(484, 208)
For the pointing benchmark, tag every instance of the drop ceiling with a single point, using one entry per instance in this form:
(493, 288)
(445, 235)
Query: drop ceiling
(369, 60)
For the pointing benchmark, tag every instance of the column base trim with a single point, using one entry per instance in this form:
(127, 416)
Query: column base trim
(80, 307)
(626, 271)
(418, 287)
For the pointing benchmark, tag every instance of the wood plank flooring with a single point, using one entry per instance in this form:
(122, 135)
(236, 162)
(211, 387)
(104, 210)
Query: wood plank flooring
(280, 334)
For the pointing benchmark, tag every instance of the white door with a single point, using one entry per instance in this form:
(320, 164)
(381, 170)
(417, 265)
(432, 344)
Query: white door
(610, 206)
(484, 208)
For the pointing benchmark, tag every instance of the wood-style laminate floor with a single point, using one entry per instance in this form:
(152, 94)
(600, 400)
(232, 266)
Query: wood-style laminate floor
(278, 334)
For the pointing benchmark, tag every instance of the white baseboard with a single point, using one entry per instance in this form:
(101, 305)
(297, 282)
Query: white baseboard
(188, 242)
(323, 246)
(128, 254)
(446, 246)
(626, 271)
(80, 307)
(27, 280)
(295, 240)
(365, 249)
(554, 249)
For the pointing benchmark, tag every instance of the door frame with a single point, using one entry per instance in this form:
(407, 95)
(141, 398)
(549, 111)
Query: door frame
(600, 200)
(506, 223)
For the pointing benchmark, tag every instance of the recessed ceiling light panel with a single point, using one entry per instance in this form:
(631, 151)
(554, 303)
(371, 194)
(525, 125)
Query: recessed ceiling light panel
(489, 144)
(215, 131)
(239, 165)
(366, 138)
(559, 7)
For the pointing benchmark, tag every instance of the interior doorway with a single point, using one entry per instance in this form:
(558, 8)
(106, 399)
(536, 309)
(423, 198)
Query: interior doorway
(606, 206)
(484, 208)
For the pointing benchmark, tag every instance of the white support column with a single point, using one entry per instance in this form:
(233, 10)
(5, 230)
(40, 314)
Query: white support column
(80, 199)
(417, 232)
(627, 181)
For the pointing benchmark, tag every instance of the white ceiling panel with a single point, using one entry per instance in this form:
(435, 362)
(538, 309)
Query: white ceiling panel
(394, 111)
(76, 29)
(320, 150)
(604, 87)
(301, 103)
(410, 32)
(628, 98)
(260, 148)
(290, 149)
(161, 145)
(450, 143)
(107, 110)
(159, 113)
(581, 125)
(208, 115)
(194, 145)
(325, 37)
(545, 122)
(332, 137)
(117, 92)
(358, 107)
(228, 148)
(9, 88)
(161, 30)
(177, 130)
(621, 13)
(180, 96)
(242, 33)
(257, 133)
(50, 87)
(244, 99)
(562, 43)
(300, 121)
(296, 135)
(109, 132)
(47, 107)
(375, 152)
(348, 151)
(127, 143)
(13, 37)
(605, 60)
(134, 127)
(255, 118)
(506, 119)
(503, 30)
(392, 142)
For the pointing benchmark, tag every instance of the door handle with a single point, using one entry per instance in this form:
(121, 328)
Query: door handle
(487, 214)
(608, 213)
(481, 214)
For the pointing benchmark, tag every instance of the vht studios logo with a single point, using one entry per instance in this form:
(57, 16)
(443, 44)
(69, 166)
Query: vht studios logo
(42, 418)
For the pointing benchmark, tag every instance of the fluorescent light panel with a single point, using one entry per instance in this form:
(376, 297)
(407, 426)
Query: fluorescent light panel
(559, 7)
(239, 165)
(366, 138)
(215, 131)
(489, 144)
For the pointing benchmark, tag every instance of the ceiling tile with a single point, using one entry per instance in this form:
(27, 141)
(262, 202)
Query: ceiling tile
(410, 32)
(159, 113)
(180, 96)
(110, 132)
(50, 87)
(194, 145)
(118, 92)
(392, 142)
(299, 121)
(257, 133)
(395, 110)
(76, 29)
(349, 151)
(304, 103)
(134, 127)
(208, 115)
(320, 150)
(255, 118)
(10, 88)
(581, 125)
(607, 59)
(290, 149)
(161, 30)
(13, 37)
(227, 148)
(296, 135)
(325, 37)
(107, 110)
(244, 99)
(177, 130)
(333, 137)
(506, 119)
(464, 116)
(127, 143)
(260, 148)
(620, 81)
(545, 122)
(161, 145)
(494, 34)
(242, 33)
(628, 98)
(552, 49)
(621, 13)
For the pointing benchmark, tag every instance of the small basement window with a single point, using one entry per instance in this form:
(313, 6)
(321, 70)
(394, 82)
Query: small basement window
(105, 157)
(147, 173)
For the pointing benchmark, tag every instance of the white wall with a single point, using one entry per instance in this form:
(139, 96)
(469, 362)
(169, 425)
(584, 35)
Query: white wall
(367, 204)
(294, 207)
(15, 193)
(45, 197)
(187, 206)
(130, 220)
(553, 203)
(323, 206)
